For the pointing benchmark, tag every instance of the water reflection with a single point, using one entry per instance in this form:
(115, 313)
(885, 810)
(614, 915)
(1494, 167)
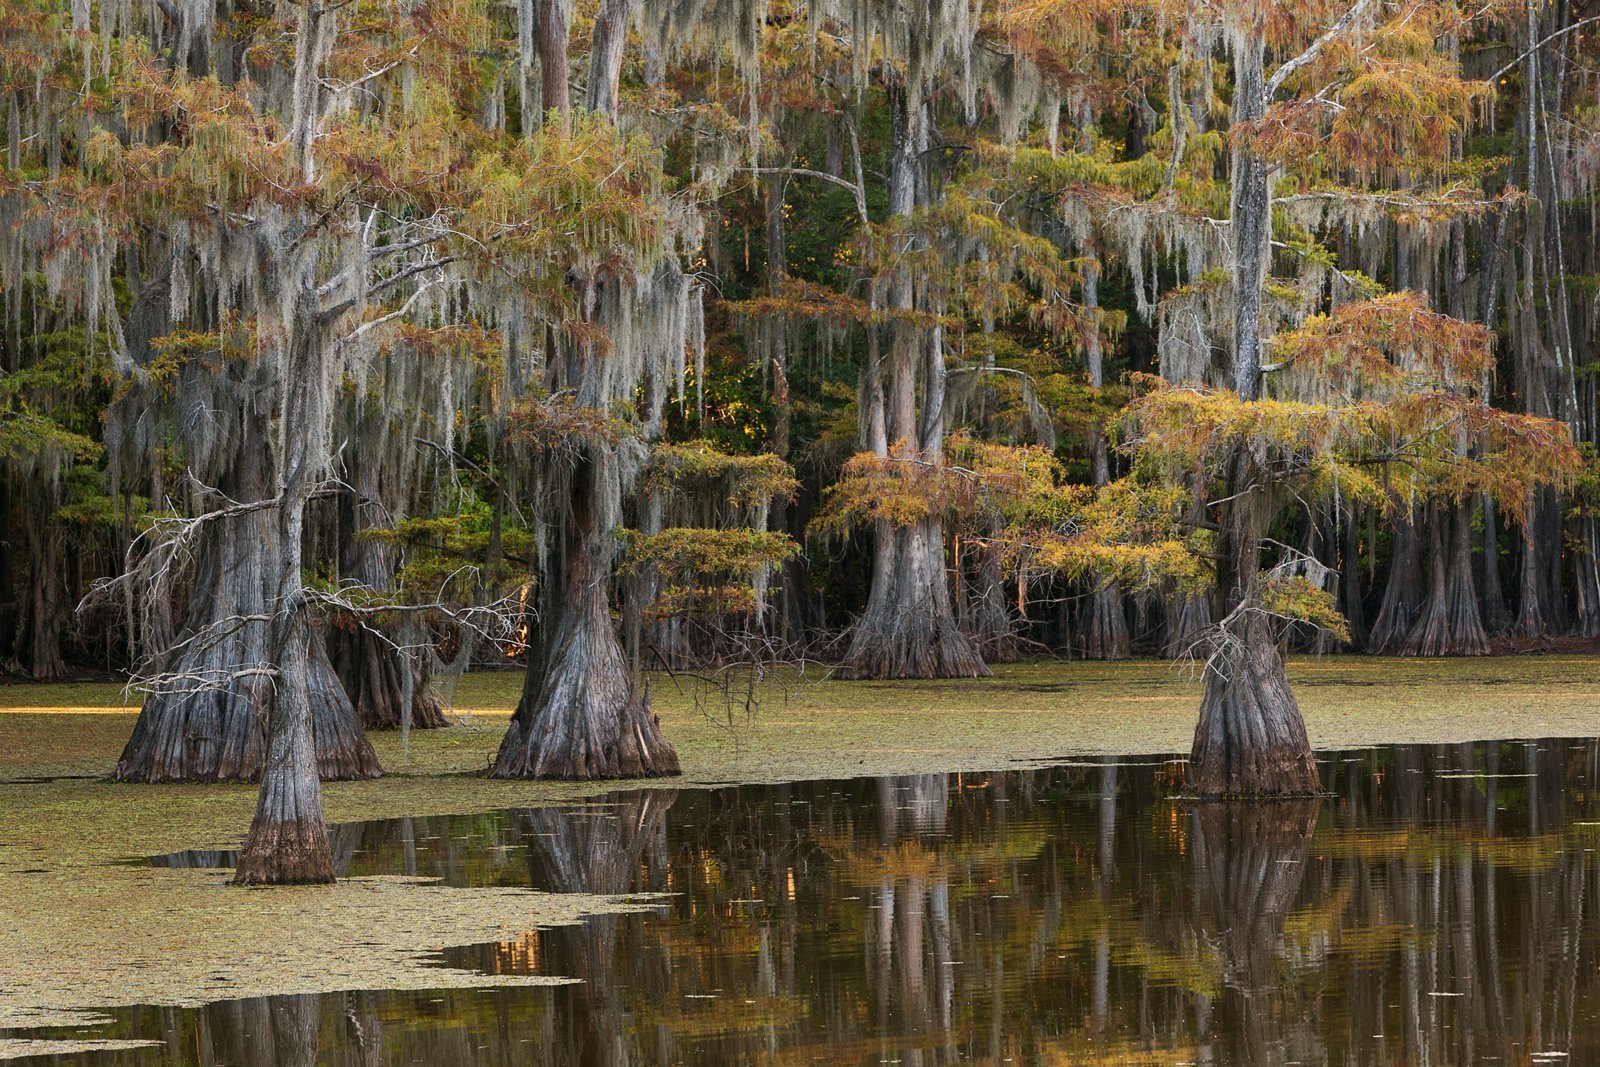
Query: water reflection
(1434, 911)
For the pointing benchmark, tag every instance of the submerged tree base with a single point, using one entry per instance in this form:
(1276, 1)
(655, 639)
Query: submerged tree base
(219, 735)
(583, 718)
(294, 852)
(1251, 739)
(943, 653)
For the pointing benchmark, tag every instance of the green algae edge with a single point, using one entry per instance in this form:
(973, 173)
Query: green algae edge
(183, 937)
(80, 928)
(16, 1048)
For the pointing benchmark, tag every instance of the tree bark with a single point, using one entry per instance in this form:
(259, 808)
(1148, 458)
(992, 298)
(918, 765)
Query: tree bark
(606, 48)
(371, 669)
(214, 727)
(1539, 614)
(1251, 739)
(909, 628)
(985, 617)
(581, 715)
(1351, 601)
(288, 839)
(44, 618)
(555, 20)
(373, 676)
(1496, 618)
(1106, 632)
(1449, 624)
(793, 577)
(1402, 597)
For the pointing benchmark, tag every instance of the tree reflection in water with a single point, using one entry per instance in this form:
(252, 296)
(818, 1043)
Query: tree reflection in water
(1435, 910)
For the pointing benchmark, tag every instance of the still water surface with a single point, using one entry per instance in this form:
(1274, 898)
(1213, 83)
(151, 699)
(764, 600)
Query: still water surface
(1441, 906)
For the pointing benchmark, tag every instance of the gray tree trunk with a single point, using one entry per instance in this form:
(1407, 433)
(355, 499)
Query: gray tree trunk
(210, 723)
(909, 628)
(1449, 624)
(288, 840)
(1402, 597)
(581, 715)
(1251, 739)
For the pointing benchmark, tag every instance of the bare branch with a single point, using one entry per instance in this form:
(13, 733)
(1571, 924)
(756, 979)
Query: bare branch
(1337, 30)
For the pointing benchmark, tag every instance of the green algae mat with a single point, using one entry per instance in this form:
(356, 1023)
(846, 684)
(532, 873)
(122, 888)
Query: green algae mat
(85, 924)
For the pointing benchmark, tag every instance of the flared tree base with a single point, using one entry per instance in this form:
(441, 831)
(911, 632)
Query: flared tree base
(1189, 619)
(1448, 631)
(909, 629)
(219, 735)
(583, 719)
(911, 652)
(1251, 739)
(1105, 632)
(373, 676)
(293, 852)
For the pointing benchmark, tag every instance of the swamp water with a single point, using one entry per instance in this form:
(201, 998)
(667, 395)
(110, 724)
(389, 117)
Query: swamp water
(1440, 906)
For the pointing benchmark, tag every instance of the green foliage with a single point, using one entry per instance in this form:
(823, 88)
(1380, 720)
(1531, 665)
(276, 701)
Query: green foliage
(744, 481)
(703, 571)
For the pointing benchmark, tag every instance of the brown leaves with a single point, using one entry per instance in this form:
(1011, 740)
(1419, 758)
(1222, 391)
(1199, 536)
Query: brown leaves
(1392, 345)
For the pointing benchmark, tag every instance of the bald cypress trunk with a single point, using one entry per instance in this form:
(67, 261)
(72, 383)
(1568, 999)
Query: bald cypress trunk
(1495, 616)
(985, 614)
(44, 616)
(1188, 613)
(606, 43)
(373, 675)
(1449, 624)
(1540, 613)
(288, 840)
(1586, 575)
(372, 670)
(9, 605)
(1251, 739)
(581, 714)
(1351, 601)
(209, 722)
(1106, 630)
(909, 628)
(1188, 618)
(1402, 596)
(791, 616)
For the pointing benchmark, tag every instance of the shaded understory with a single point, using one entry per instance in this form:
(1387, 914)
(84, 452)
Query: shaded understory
(64, 844)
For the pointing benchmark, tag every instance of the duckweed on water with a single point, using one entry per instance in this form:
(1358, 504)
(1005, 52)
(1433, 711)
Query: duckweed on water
(81, 927)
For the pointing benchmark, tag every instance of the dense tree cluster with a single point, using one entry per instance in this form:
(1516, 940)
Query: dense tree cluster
(348, 344)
